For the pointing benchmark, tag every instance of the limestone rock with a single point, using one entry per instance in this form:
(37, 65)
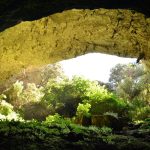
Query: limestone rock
(72, 33)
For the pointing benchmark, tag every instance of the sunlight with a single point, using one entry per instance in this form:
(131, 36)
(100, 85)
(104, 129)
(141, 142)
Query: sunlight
(94, 66)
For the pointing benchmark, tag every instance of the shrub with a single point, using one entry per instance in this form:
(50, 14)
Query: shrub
(18, 95)
(57, 120)
(112, 104)
(139, 110)
(36, 110)
(32, 93)
(65, 95)
(7, 112)
(14, 94)
(83, 109)
(5, 108)
(140, 113)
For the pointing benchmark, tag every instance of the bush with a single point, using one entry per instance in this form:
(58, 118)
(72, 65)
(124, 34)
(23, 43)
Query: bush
(14, 94)
(5, 108)
(83, 109)
(112, 104)
(18, 95)
(6, 111)
(57, 120)
(36, 110)
(32, 93)
(65, 95)
(139, 110)
(140, 113)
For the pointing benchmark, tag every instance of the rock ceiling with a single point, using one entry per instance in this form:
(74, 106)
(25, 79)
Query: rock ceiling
(33, 33)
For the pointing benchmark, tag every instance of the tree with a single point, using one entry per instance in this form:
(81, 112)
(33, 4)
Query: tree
(133, 85)
(116, 75)
(130, 81)
(65, 94)
(122, 71)
(37, 75)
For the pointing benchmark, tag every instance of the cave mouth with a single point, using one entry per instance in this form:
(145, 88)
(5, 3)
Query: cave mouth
(65, 38)
(93, 66)
(70, 34)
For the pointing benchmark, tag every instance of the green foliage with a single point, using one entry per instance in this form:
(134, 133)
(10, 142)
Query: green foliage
(14, 94)
(53, 119)
(106, 130)
(18, 95)
(57, 119)
(103, 131)
(81, 85)
(129, 89)
(52, 71)
(36, 110)
(146, 124)
(6, 110)
(96, 92)
(94, 128)
(115, 115)
(117, 74)
(102, 101)
(78, 96)
(112, 104)
(17, 88)
(63, 90)
(121, 72)
(133, 86)
(51, 135)
(81, 97)
(32, 93)
(2, 97)
(58, 136)
(65, 95)
(129, 80)
(83, 109)
(140, 113)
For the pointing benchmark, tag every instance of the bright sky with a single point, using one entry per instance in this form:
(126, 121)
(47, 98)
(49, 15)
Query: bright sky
(94, 66)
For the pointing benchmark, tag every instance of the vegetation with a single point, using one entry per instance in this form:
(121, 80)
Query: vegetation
(132, 83)
(57, 112)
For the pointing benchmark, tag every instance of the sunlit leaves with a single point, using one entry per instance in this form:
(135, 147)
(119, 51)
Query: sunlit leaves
(5, 108)
(7, 112)
(97, 93)
(17, 88)
(133, 86)
(32, 93)
(83, 109)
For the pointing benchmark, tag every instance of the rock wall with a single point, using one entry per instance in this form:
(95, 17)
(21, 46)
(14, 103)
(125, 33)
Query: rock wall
(72, 33)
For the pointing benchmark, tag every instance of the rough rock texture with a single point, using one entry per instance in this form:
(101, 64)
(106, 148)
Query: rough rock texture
(13, 11)
(73, 33)
(40, 35)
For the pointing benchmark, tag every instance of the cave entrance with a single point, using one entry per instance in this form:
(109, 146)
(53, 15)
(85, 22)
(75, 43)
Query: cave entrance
(93, 66)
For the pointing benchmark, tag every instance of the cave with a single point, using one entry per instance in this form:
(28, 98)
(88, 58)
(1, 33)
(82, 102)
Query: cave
(34, 33)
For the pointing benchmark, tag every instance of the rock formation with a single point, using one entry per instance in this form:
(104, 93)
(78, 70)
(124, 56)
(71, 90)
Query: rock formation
(70, 33)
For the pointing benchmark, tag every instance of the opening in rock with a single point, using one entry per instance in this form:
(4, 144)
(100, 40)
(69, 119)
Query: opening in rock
(73, 109)
(93, 66)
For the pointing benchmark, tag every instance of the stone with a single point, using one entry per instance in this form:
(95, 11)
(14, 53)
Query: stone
(72, 33)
